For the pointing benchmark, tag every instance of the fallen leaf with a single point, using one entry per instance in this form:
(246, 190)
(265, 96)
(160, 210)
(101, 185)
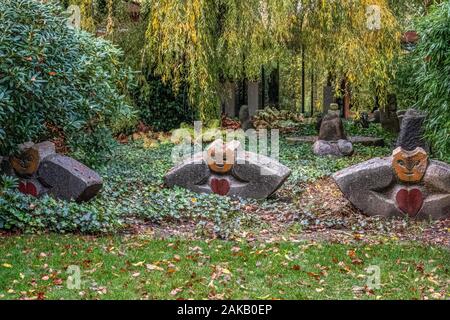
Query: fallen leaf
(153, 267)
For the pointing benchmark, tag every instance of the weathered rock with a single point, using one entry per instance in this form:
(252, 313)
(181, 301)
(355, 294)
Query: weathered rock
(345, 147)
(411, 133)
(438, 175)
(400, 116)
(302, 139)
(328, 98)
(250, 176)
(332, 128)
(388, 116)
(326, 148)
(375, 188)
(244, 118)
(358, 182)
(69, 179)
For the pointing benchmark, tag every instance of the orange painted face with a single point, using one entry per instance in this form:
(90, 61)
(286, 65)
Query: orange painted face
(410, 166)
(221, 156)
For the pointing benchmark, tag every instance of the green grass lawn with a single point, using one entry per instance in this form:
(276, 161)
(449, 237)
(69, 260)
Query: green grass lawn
(141, 268)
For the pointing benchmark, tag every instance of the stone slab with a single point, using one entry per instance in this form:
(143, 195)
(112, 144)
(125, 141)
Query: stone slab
(69, 179)
(365, 141)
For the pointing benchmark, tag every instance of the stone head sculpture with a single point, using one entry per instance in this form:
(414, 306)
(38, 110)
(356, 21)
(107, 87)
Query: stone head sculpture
(226, 169)
(409, 166)
(407, 183)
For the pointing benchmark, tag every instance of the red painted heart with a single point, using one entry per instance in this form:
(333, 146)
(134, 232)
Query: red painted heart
(410, 201)
(220, 186)
(28, 188)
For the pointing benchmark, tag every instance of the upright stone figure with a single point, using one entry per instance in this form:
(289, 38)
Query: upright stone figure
(332, 139)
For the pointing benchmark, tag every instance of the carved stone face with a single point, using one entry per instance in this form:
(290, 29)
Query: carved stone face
(221, 157)
(410, 166)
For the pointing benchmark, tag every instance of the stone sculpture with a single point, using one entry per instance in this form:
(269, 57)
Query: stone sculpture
(226, 169)
(42, 171)
(407, 183)
(332, 139)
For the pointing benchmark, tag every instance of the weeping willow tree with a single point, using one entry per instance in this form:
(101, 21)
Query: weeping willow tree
(202, 43)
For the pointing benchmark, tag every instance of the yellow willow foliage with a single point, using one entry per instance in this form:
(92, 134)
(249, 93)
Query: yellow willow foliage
(182, 48)
(362, 56)
(202, 42)
(110, 18)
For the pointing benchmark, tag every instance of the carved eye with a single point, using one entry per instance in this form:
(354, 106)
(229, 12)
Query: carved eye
(401, 162)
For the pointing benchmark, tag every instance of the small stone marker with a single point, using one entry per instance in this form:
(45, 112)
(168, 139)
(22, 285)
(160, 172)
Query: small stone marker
(226, 169)
(69, 179)
(407, 183)
(332, 128)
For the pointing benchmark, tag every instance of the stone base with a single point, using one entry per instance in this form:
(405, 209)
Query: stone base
(373, 188)
(365, 141)
(251, 176)
(69, 179)
(339, 148)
